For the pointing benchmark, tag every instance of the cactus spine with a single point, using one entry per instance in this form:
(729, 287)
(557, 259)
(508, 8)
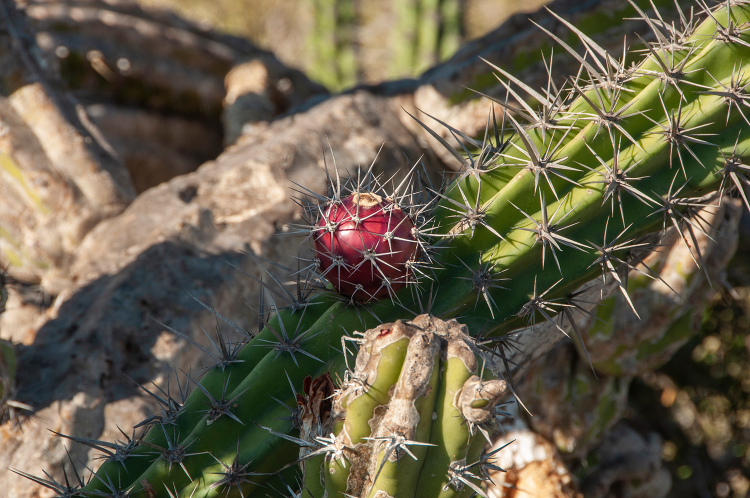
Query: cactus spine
(620, 152)
(413, 394)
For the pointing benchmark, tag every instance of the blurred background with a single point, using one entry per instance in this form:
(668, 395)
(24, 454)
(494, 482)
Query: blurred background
(343, 42)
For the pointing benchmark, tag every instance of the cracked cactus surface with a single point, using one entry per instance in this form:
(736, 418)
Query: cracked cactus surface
(561, 188)
(411, 420)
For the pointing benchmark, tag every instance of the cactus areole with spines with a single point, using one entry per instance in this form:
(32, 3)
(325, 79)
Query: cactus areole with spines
(364, 244)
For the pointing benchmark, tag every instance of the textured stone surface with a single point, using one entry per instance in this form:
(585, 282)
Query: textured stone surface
(155, 84)
(54, 187)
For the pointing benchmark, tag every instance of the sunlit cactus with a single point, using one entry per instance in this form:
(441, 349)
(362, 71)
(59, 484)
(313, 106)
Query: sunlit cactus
(411, 419)
(559, 190)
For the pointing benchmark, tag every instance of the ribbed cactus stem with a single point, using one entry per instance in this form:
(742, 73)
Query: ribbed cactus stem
(379, 365)
(399, 440)
(450, 446)
(434, 399)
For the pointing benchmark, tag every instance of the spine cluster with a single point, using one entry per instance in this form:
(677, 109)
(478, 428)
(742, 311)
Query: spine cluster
(411, 420)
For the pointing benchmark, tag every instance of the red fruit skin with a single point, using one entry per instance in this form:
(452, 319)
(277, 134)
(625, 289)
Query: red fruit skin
(372, 239)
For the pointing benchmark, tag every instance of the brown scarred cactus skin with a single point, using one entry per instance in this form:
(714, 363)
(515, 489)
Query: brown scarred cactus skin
(415, 391)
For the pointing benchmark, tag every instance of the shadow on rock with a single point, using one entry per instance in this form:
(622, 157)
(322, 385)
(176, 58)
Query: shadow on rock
(109, 329)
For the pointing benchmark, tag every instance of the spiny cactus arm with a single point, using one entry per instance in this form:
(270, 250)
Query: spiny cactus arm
(248, 467)
(319, 355)
(400, 439)
(699, 165)
(450, 434)
(579, 150)
(379, 362)
(407, 423)
(700, 174)
(146, 464)
(666, 183)
(385, 361)
(660, 89)
(647, 97)
(480, 403)
(298, 360)
(219, 383)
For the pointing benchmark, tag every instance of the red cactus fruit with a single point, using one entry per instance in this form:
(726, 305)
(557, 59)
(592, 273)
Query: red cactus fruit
(364, 244)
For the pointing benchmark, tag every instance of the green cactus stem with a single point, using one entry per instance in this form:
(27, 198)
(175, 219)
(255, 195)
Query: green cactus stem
(434, 401)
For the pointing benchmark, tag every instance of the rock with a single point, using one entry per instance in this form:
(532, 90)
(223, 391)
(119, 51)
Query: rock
(173, 242)
(59, 176)
(155, 83)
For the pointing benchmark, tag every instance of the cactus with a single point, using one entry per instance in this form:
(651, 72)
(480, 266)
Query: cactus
(405, 37)
(620, 152)
(411, 419)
